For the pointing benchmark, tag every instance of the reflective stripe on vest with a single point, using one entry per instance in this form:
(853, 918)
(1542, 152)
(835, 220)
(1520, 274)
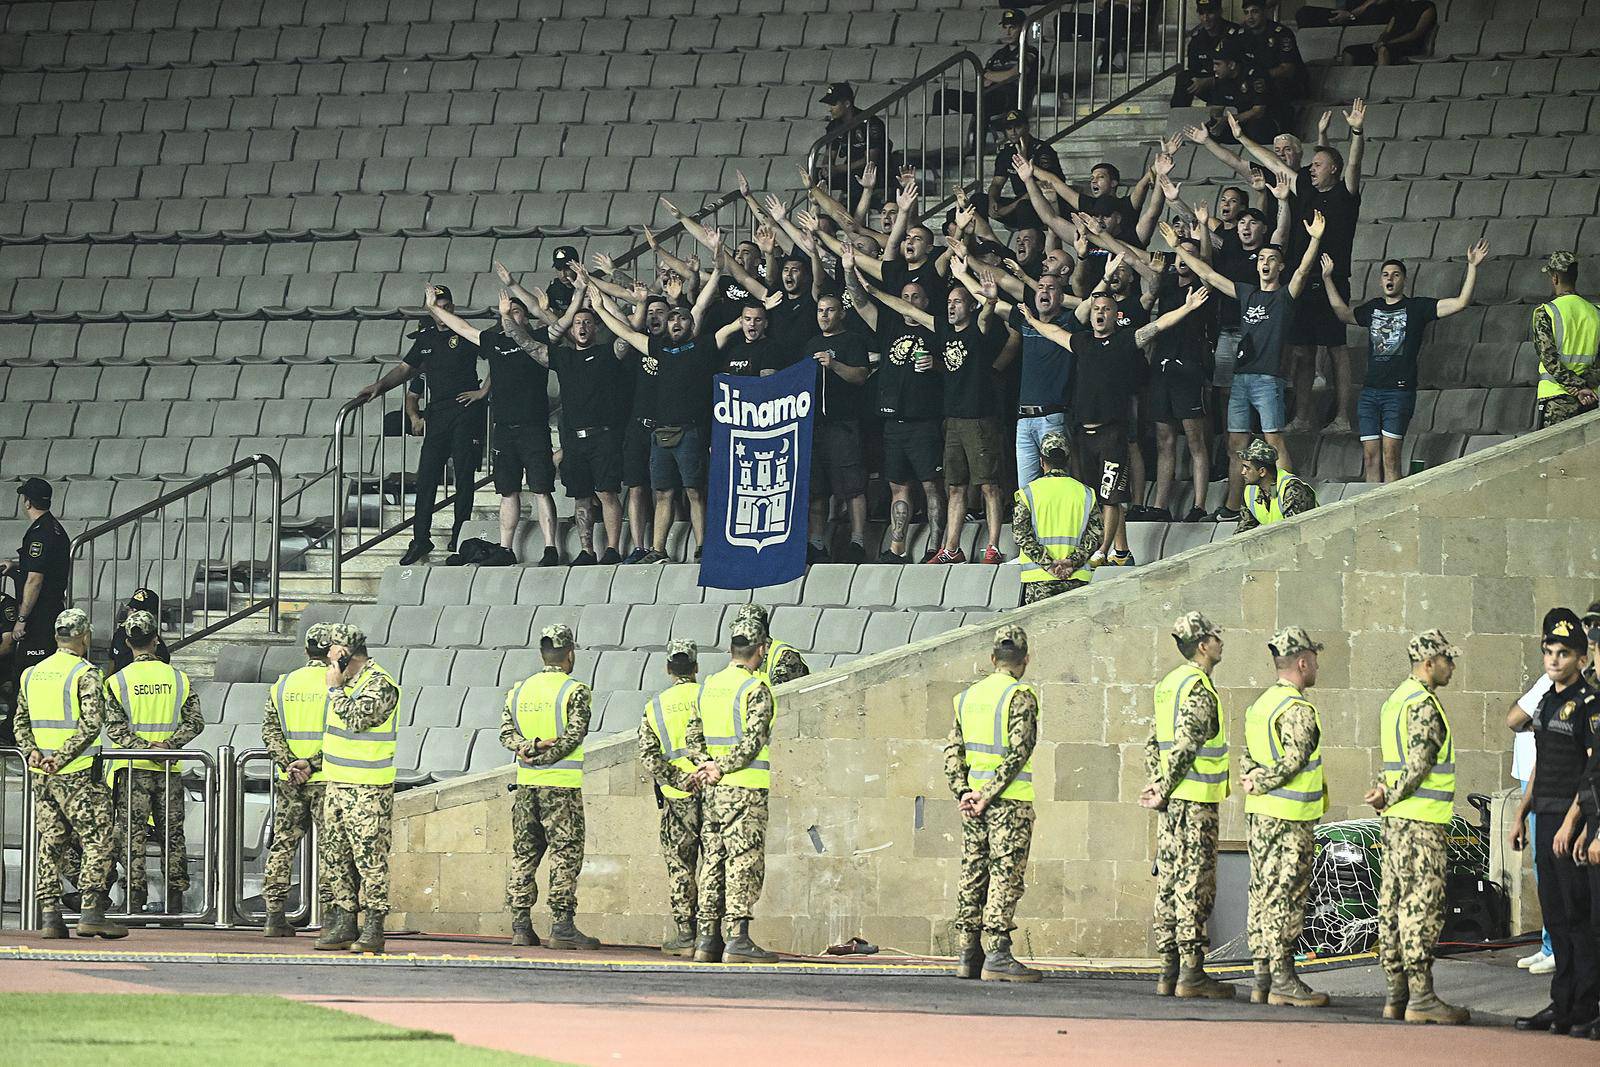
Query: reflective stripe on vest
(51, 688)
(668, 718)
(1575, 326)
(1273, 511)
(724, 702)
(154, 716)
(302, 700)
(1302, 798)
(1434, 798)
(1207, 778)
(539, 707)
(1061, 508)
(361, 757)
(983, 711)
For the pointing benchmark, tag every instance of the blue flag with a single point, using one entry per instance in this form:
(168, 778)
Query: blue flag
(760, 478)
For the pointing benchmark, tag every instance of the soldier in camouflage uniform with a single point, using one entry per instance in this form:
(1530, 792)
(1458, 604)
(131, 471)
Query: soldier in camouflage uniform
(1269, 496)
(1055, 459)
(783, 662)
(674, 770)
(153, 795)
(68, 802)
(1411, 885)
(547, 818)
(356, 816)
(1194, 757)
(1569, 373)
(1282, 848)
(996, 817)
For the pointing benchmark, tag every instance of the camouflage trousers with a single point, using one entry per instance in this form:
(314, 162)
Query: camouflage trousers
(546, 819)
(1280, 875)
(680, 847)
(994, 859)
(1186, 875)
(355, 844)
(1560, 409)
(1033, 592)
(151, 798)
(1411, 895)
(733, 844)
(296, 808)
(72, 808)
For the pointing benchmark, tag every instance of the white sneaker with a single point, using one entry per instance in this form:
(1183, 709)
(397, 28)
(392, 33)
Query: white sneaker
(1528, 961)
(1544, 966)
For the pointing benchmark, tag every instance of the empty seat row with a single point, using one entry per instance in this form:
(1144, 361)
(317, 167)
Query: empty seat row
(1417, 82)
(1519, 37)
(1413, 241)
(74, 459)
(167, 383)
(248, 341)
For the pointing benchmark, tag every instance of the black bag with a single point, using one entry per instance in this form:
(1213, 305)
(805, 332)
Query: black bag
(473, 550)
(1475, 909)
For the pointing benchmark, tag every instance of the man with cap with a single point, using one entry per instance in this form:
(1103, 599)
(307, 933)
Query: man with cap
(292, 730)
(1415, 797)
(1018, 212)
(563, 287)
(736, 709)
(358, 749)
(60, 710)
(1270, 494)
(1285, 796)
(121, 655)
(452, 424)
(672, 744)
(1056, 525)
(1563, 740)
(150, 704)
(1187, 761)
(849, 151)
(1271, 52)
(1001, 71)
(1198, 75)
(1566, 333)
(42, 566)
(783, 662)
(545, 720)
(1238, 101)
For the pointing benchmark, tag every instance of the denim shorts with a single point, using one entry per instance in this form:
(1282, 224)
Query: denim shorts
(1264, 393)
(1385, 412)
(680, 465)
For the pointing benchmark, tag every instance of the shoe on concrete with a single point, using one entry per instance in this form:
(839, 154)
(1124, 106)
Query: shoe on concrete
(816, 554)
(1544, 966)
(551, 557)
(708, 942)
(993, 556)
(887, 556)
(1167, 980)
(944, 555)
(636, 556)
(51, 927)
(92, 922)
(1120, 559)
(970, 962)
(584, 559)
(1543, 1019)
(371, 939)
(610, 559)
(1225, 514)
(415, 551)
(522, 934)
(339, 932)
(855, 552)
(1528, 961)
(564, 933)
(1397, 994)
(1583, 1029)
(1195, 984)
(277, 925)
(1262, 983)
(1300, 425)
(681, 943)
(740, 949)
(653, 557)
(1338, 425)
(455, 538)
(1195, 514)
(1097, 559)
(1288, 990)
(999, 965)
(1426, 1007)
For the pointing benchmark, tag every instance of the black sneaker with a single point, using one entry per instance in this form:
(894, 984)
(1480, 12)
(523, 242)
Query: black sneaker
(415, 551)
(856, 553)
(1195, 514)
(1147, 514)
(583, 559)
(551, 557)
(501, 557)
(889, 557)
(698, 553)
(653, 557)
(636, 556)
(611, 559)
(1226, 514)
(816, 554)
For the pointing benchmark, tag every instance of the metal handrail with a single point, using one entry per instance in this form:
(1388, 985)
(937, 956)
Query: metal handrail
(309, 909)
(677, 232)
(185, 494)
(208, 794)
(27, 855)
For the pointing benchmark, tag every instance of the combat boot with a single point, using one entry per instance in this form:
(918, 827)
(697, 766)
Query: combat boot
(371, 939)
(1288, 989)
(708, 945)
(999, 965)
(564, 933)
(93, 922)
(51, 928)
(1194, 982)
(1426, 1007)
(740, 949)
(1395, 996)
(1263, 981)
(522, 934)
(970, 962)
(338, 931)
(277, 925)
(681, 943)
(1167, 980)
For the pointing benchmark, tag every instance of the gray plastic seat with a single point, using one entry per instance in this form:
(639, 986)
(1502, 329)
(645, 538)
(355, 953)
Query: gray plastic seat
(542, 585)
(449, 585)
(828, 584)
(445, 749)
(487, 754)
(482, 706)
(508, 626)
(680, 584)
(414, 626)
(795, 624)
(461, 625)
(601, 625)
(245, 703)
(932, 623)
(886, 630)
(874, 585)
(588, 585)
(427, 666)
(620, 670)
(436, 705)
(840, 630)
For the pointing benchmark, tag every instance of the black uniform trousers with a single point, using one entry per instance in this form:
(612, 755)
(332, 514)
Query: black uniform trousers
(455, 434)
(1564, 897)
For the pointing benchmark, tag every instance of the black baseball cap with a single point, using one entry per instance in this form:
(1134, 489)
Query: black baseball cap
(144, 600)
(37, 490)
(838, 92)
(1562, 627)
(1012, 17)
(1013, 118)
(564, 255)
(1203, 6)
(443, 293)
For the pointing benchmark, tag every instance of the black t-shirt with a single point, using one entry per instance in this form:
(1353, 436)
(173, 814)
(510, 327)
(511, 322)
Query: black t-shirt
(46, 551)
(1131, 313)
(789, 324)
(1189, 347)
(519, 386)
(1342, 210)
(560, 296)
(903, 391)
(683, 379)
(122, 655)
(1040, 154)
(449, 363)
(589, 384)
(1270, 46)
(1394, 339)
(896, 272)
(1237, 264)
(749, 358)
(1561, 742)
(842, 401)
(1263, 327)
(971, 389)
(1108, 375)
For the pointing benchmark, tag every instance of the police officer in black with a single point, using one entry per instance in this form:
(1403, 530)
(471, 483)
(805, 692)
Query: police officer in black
(1562, 740)
(1001, 71)
(1198, 74)
(42, 566)
(849, 151)
(1271, 52)
(1016, 211)
(1246, 95)
(121, 654)
(562, 287)
(453, 420)
(8, 670)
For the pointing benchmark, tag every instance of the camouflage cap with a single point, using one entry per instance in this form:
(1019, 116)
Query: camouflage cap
(1012, 636)
(319, 635)
(559, 636)
(682, 646)
(1054, 443)
(74, 622)
(1292, 639)
(139, 624)
(1559, 261)
(1194, 627)
(1259, 453)
(748, 629)
(342, 633)
(1430, 643)
(753, 611)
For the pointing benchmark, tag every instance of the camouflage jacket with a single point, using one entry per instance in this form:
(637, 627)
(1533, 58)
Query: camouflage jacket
(1022, 734)
(1297, 498)
(578, 712)
(1196, 724)
(367, 707)
(1544, 342)
(1297, 729)
(91, 717)
(758, 731)
(1027, 538)
(1425, 735)
(120, 730)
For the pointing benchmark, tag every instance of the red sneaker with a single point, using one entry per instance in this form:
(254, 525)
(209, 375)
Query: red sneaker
(944, 555)
(992, 556)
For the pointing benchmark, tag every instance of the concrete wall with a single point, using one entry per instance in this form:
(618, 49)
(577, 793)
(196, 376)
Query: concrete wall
(864, 837)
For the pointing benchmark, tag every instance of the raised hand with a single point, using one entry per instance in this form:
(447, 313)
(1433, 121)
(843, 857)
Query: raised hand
(744, 183)
(773, 299)
(1478, 253)
(1197, 296)
(501, 273)
(1171, 144)
(1163, 164)
(1113, 265)
(1233, 124)
(1326, 262)
(603, 263)
(1168, 234)
(1023, 169)
(966, 216)
(1323, 123)
(674, 288)
(806, 181)
(806, 220)
(714, 246)
(1280, 189)
(1202, 214)
(1080, 242)
(650, 237)
(991, 291)
(672, 209)
(1316, 226)
(1258, 181)
(869, 175)
(906, 198)
(766, 240)
(1168, 189)
(1197, 134)
(847, 257)
(775, 207)
(1356, 115)
(505, 302)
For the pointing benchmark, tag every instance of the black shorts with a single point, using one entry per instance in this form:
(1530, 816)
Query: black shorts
(1178, 393)
(636, 455)
(1103, 461)
(913, 450)
(522, 456)
(1314, 321)
(837, 461)
(591, 461)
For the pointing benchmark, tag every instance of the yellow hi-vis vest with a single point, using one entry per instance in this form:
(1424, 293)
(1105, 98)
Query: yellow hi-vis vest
(1302, 798)
(984, 712)
(51, 687)
(152, 693)
(1271, 511)
(301, 699)
(667, 716)
(775, 648)
(1207, 780)
(360, 757)
(539, 705)
(1575, 323)
(1061, 508)
(724, 703)
(1434, 798)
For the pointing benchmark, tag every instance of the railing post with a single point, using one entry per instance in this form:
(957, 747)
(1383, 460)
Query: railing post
(226, 827)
